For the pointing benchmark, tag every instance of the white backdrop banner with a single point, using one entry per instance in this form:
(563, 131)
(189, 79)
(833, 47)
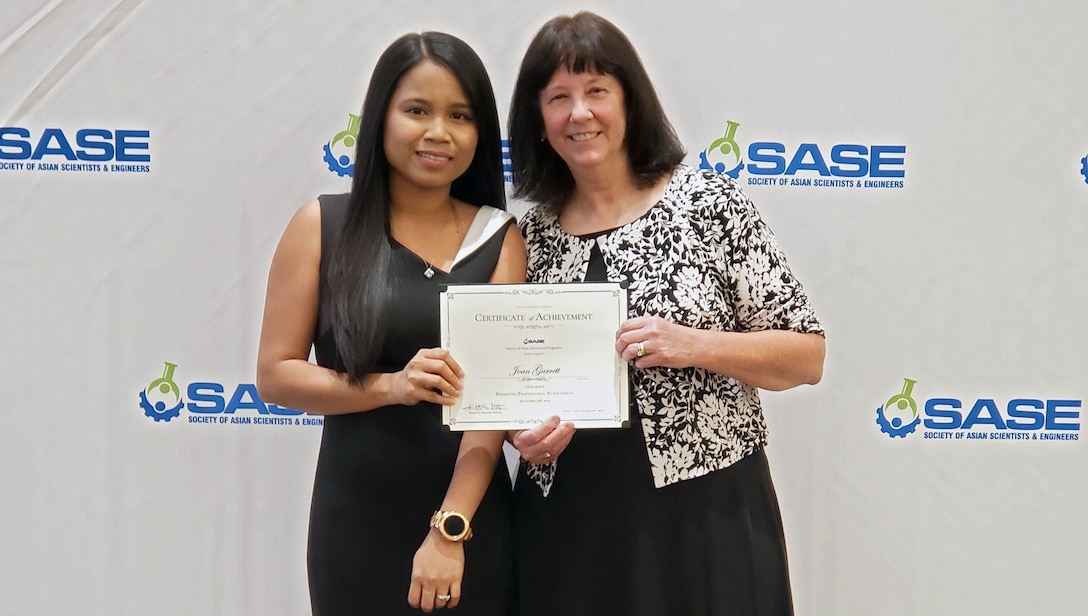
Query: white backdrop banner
(924, 164)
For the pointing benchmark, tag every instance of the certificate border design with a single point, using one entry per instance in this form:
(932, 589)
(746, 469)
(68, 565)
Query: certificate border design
(618, 291)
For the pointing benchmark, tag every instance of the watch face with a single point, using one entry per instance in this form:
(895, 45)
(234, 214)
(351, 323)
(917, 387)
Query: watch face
(453, 525)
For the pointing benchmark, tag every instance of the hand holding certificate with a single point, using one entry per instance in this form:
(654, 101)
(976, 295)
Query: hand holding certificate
(531, 351)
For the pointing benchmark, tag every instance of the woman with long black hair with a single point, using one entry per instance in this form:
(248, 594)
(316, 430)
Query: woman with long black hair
(357, 277)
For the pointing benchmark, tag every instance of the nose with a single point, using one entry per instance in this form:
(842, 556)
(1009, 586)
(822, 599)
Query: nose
(437, 130)
(579, 109)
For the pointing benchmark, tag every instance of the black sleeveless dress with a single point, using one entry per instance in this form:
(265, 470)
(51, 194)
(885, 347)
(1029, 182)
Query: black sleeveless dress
(382, 473)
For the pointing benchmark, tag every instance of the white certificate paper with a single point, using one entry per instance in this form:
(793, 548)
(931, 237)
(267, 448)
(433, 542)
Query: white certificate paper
(530, 351)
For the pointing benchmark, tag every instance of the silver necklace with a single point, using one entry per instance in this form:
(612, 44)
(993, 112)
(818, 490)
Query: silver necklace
(429, 272)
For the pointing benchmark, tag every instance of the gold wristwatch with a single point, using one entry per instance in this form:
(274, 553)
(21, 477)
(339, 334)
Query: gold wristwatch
(452, 524)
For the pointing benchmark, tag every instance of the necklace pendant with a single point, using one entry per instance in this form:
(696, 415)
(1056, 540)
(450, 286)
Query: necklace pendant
(428, 272)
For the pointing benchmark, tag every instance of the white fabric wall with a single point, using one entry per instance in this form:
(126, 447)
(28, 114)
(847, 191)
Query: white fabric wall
(968, 280)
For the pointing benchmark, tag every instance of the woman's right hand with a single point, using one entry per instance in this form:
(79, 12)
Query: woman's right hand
(431, 376)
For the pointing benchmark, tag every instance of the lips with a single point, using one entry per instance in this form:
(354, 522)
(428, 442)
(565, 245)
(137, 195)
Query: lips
(435, 156)
(584, 136)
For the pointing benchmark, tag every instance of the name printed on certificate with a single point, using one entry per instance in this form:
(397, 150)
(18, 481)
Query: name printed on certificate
(531, 351)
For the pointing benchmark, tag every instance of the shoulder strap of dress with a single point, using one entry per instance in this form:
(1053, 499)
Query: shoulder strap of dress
(487, 222)
(333, 210)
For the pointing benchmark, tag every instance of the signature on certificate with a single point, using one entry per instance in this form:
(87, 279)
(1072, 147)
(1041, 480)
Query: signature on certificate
(485, 406)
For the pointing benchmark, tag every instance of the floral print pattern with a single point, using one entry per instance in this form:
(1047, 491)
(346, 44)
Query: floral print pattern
(701, 257)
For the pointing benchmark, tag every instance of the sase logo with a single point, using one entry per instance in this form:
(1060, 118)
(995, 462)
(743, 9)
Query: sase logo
(1047, 419)
(1084, 168)
(835, 165)
(207, 402)
(87, 150)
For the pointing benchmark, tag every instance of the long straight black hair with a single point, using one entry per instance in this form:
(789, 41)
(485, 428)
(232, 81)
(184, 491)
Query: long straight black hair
(356, 294)
(581, 43)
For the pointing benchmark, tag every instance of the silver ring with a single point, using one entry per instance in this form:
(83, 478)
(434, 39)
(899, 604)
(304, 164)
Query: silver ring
(443, 597)
(641, 347)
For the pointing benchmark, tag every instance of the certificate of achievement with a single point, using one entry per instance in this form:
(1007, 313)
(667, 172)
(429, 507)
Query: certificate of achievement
(531, 351)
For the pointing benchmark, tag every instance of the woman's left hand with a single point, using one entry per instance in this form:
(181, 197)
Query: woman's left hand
(652, 342)
(437, 570)
(544, 443)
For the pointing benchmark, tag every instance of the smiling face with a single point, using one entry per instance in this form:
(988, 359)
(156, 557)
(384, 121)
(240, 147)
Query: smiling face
(430, 133)
(585, 121)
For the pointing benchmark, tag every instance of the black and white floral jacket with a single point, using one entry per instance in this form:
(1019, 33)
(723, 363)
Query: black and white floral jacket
(701, 257)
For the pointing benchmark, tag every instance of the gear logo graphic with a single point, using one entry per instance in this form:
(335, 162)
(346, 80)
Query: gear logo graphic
(899, 415)
(161, 399)
(725, 146)
(339, 151)
(1084, 168)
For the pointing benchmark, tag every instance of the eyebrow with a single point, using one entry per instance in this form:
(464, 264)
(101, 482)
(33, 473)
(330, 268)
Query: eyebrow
(596, 77)
(423, 101)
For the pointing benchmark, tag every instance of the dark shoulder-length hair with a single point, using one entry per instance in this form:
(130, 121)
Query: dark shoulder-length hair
(359, 281)
(585, 42)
